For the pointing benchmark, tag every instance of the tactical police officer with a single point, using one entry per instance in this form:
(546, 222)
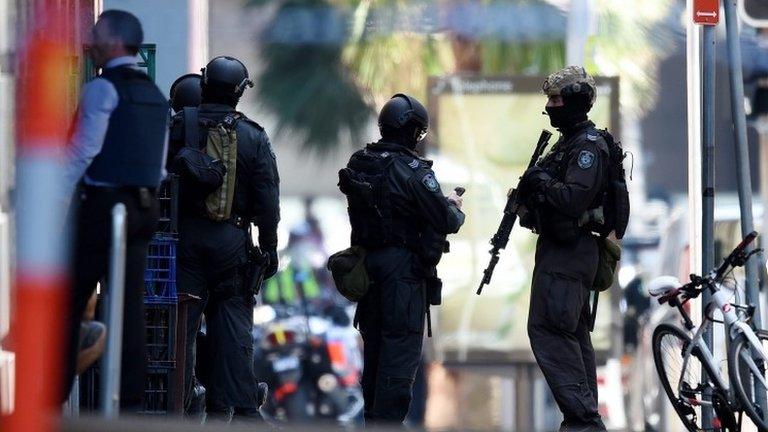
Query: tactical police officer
(216, 255)
(563, 191)
(116, 155)
(394, 199)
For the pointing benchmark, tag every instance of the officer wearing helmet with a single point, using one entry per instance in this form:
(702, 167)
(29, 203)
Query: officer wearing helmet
(561, 192)
(216, 256)
(186, 92)
(394, 200)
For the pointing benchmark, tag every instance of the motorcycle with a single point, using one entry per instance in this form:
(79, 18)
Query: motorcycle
(311, 363)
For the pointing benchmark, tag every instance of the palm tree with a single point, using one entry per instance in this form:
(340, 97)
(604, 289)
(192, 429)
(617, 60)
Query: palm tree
(327, 88)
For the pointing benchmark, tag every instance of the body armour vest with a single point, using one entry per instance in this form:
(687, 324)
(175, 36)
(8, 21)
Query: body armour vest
(132, 154)
(559, 225)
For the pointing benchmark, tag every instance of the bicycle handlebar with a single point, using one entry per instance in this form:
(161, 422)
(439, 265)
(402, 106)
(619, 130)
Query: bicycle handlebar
(736, 258)
(737, 253)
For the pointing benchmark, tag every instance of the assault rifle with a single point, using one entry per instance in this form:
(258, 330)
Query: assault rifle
(501, 238)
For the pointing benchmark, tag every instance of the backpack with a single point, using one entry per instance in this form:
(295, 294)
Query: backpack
(209, 173)
(616, 195)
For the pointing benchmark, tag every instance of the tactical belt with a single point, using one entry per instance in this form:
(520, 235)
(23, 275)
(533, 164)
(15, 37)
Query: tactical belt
(239, 222)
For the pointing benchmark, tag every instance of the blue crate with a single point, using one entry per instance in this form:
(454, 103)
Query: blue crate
(160, 274)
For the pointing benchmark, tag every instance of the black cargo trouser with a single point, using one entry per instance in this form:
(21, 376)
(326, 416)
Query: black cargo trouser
(211, 265)
(391, 319)
(92, 241)
(559, 323)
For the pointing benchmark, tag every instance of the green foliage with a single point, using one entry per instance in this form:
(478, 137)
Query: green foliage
(630, 40)
(530, 58)
(310, 90)
(325, 91)
(312, 93)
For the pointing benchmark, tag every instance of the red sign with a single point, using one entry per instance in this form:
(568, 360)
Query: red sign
(706, 12)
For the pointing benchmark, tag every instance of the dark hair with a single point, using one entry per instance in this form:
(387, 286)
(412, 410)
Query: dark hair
(126, 27)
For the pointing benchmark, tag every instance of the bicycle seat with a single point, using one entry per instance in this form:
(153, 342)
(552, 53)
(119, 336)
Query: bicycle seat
(663, 285)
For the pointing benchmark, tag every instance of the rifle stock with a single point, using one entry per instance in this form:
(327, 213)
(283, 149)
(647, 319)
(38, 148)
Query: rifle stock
(501, 238)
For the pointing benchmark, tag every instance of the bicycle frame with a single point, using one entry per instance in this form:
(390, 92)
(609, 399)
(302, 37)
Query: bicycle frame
(734, 326)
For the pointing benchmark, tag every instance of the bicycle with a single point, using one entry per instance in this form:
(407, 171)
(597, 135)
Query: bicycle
(681, 353)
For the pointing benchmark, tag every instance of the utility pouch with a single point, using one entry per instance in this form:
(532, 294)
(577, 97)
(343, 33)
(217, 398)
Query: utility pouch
(610, 254)
(434, 291)
(198, 171)
(200, 174)
(349, 274)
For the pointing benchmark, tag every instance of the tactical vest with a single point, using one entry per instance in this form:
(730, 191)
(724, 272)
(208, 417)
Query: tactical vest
(609, 210)
(375, 222)
(134, 146)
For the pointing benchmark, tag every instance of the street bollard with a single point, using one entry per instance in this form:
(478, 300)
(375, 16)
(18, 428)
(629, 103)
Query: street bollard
(111, 366)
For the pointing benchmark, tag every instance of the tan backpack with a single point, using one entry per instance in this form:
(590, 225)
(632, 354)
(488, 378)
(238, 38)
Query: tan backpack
(220, 150)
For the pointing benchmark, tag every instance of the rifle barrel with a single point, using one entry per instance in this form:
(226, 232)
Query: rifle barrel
(501, 238)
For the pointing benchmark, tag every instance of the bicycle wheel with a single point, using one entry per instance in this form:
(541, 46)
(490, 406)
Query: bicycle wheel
(669, 345)
(742, 369)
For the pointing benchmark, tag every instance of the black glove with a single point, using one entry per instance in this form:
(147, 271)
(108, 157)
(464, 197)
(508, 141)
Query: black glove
(272, 265)
(534, 180)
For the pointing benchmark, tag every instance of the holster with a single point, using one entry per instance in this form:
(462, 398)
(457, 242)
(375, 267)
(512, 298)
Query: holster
(256, 265)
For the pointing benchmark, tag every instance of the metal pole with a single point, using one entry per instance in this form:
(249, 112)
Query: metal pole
(577, 32)
(72, 407)
(524, 398)
(110, 378)
(742, 150)
(742, 166)
(707, 183)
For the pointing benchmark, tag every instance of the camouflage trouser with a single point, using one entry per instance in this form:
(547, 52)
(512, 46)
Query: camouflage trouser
(558, 327)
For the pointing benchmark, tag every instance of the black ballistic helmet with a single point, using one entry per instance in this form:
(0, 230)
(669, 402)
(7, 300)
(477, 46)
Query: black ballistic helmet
(227, 74)
(404, 118)
(186, 91)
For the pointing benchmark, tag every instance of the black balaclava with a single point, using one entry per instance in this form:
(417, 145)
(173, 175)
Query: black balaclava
(573, 111)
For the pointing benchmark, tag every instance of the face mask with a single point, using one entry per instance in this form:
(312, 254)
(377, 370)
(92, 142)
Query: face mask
(558, 116)
(565, 116)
